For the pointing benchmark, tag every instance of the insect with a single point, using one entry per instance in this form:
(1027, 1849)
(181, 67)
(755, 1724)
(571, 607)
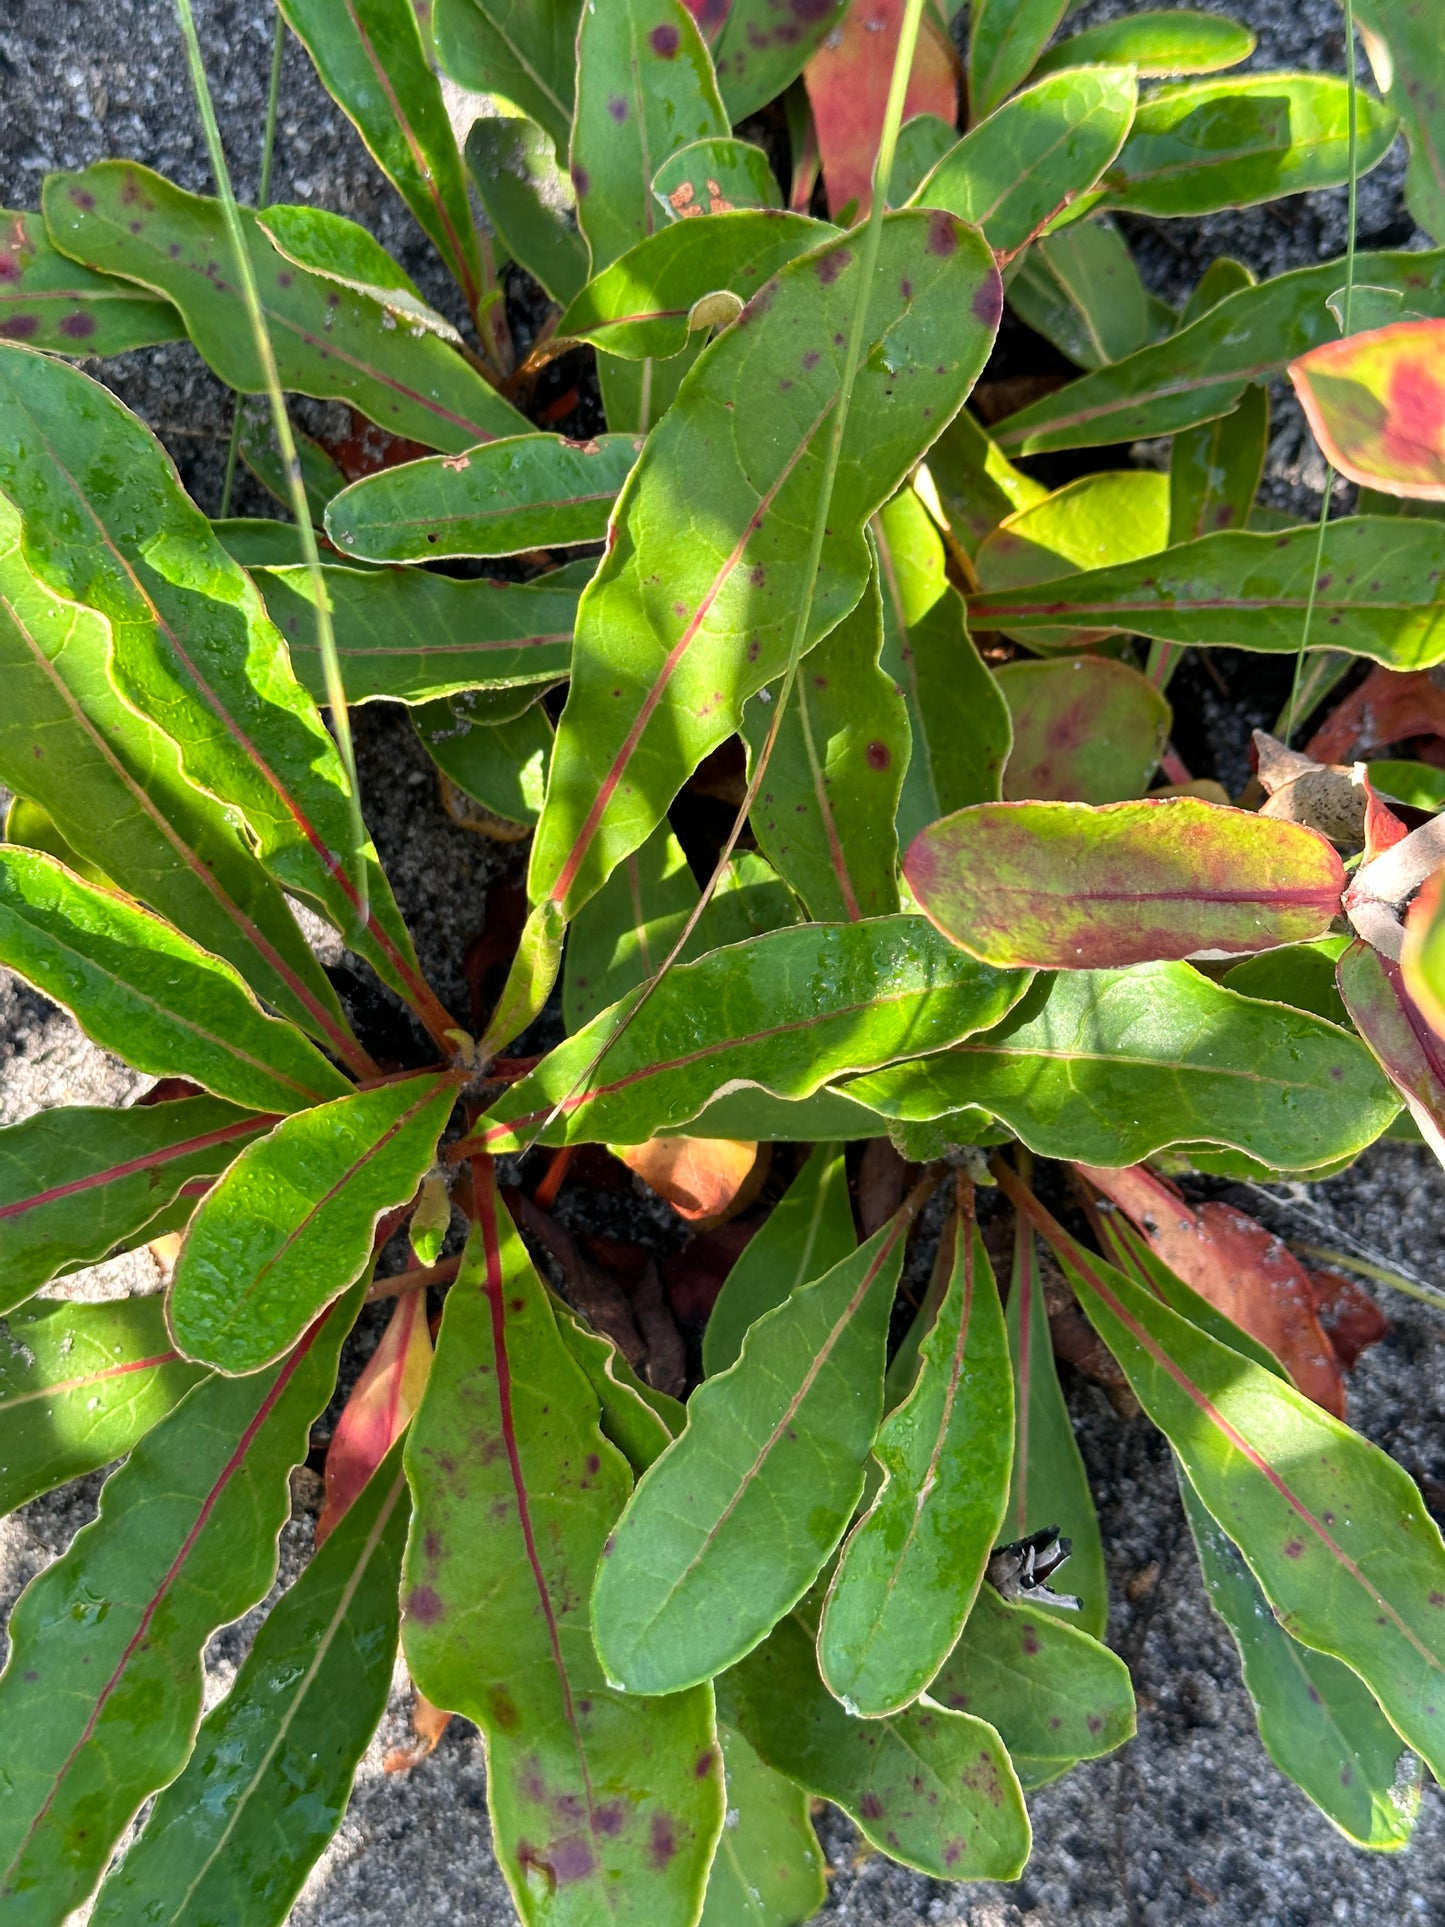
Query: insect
(1022, 1569)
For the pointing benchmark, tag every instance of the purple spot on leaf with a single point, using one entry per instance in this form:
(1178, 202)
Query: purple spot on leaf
(829, 266)
(870, 1807)
(78, 326)
(581, 180)
(617, 107)
(425, 1606)
(664, 41)
(663, 1843)
(942, 235)
(18, 327)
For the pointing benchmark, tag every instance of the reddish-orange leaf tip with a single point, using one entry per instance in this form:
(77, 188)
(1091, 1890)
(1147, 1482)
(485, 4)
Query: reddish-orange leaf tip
(1376, 403)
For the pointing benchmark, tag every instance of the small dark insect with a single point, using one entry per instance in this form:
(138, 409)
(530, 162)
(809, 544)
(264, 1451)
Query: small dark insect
(1023, 1568)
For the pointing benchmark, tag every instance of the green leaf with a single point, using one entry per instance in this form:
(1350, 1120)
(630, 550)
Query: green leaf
(527, 492)
(1420, 785)
(602, 1805)
(1034, 155)
(768, 1870)
(1086, 729)
(1320, 1724)
(32, 827)
(713, 176)
(530, 201)
(1157, 45)
(809, 1231)
(77, 1183)
(141, 989)
(640, 1421)
(923, 141)
(1053, 1693)
(321, 475)
(1005, 40)
(1080, 290)
(1335, 1532)
(1404, 49)
(116, 1627)
(267, 1784)
(751, 1113)
(1095, 522)
(623, 934)
(1110, 1066)
(50, 302)
(1377, 584)
(759, 50)
(653, 297)
(931, 1788)
(1214, 470)
(409, 636)
(975, 486)
(1202, 145)
(1368, 399)
(912, 1567)
(1048, 1485)
(785, 1012)
(1074, 886)
(107, 524)
(1394, 1027)
(688, 621)
(501, 765)
(957, 719)
(79, 1384)
(1200, 372)
(347, 253)
(525, 50)
(110, 782)
(731, 1526)
(290, 1224)
(1301, 974)
(257, 542)
(330, 341)
(826, 811)
(370, 56)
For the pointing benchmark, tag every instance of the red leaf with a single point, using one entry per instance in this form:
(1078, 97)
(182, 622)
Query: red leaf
(704, 1179)
(847, 81)
(1351, 1319)
(378, 1410)
(1388, 707)
(1397, 1031)
(428, 1722)
(1242, 1269)
(1376, 403)
(697, 1273)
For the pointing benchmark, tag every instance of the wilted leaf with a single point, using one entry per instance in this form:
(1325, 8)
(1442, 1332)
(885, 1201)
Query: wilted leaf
(592, 1793)
(1200, 372)
(731, 1526)
(267, 1783)
(1035, 154)
(932, 1789)
(1070, 886)
(50, 302)
(370, 56)
(784, 1012)
(290, 1225)
(378, 1410)
(1239, 1267)
(185, 1543)
(699, 1176)
(825, 813)
(848, 80)
(1086, 729)
(526, 492)
(690, 621)
(329, 341)
(1111, 1066)
(139, 988)
(1396, 1030)
(79, 1385)
(77, 1183)
(912, 1566)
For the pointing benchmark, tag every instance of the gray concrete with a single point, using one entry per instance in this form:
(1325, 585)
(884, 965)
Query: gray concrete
(1188, 1824)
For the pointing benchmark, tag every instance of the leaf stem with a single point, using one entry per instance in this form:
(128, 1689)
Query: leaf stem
(263, 190)
(1381, 1274)
(331, 666)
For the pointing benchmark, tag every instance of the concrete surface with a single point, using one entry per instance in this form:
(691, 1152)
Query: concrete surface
(1190, 1823)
